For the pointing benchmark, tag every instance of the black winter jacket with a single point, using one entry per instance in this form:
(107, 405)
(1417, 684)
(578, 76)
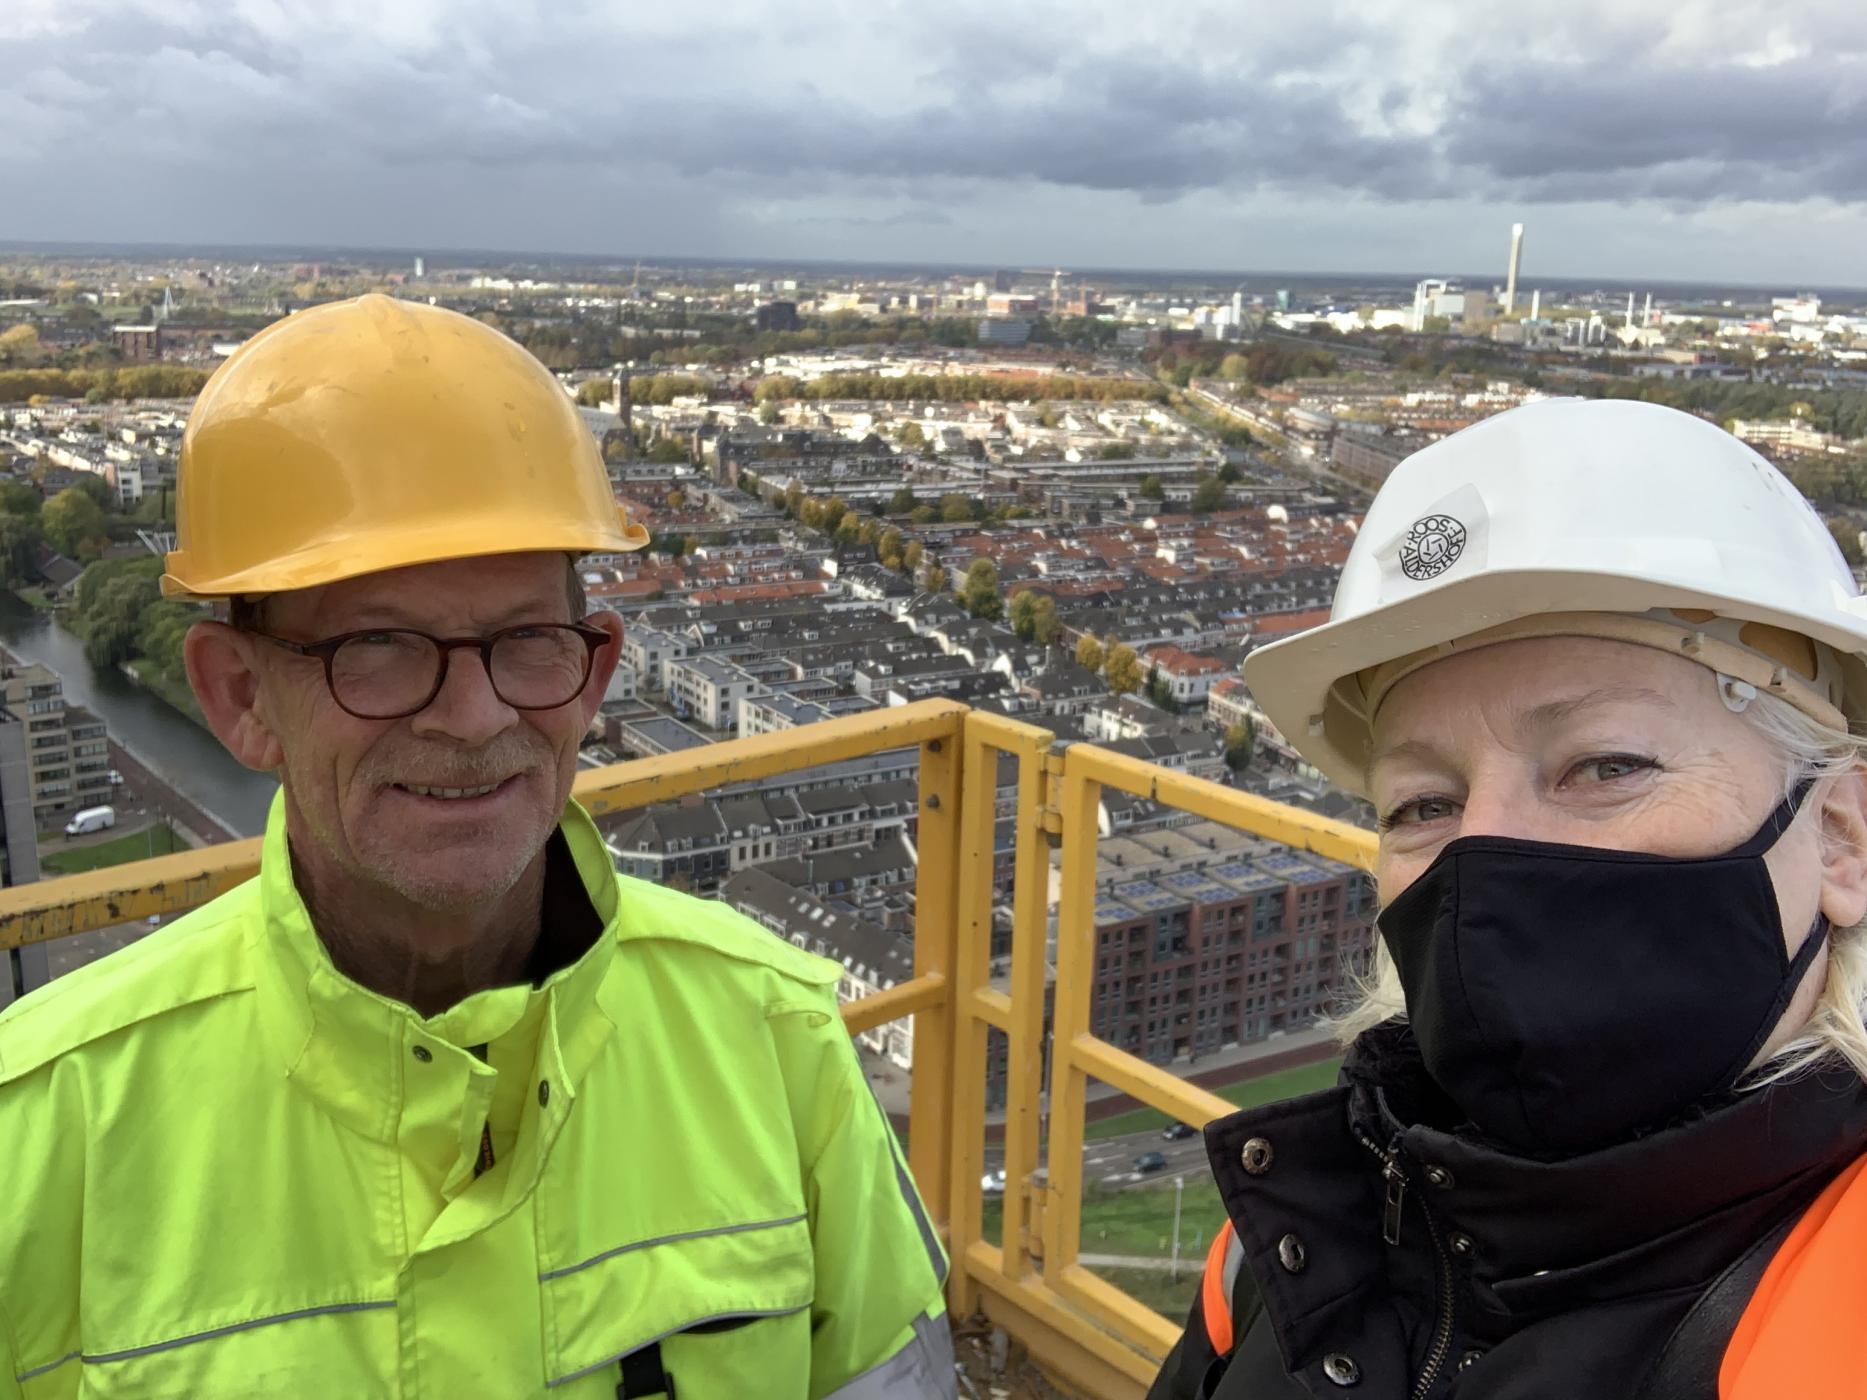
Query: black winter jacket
(1387, 1259)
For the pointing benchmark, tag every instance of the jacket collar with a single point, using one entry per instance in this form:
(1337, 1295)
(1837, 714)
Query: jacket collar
(354, 1050)
(1667, 1211)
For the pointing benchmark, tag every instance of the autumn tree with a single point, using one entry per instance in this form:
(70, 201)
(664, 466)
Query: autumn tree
(955, 508)
(934, 579)
(1089, 653)
(979, 593)
(72, 521)
(1046, 626)
(1122, 669)
(1241, 742)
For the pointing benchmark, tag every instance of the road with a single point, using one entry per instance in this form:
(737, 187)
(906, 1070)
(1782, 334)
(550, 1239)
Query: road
(1110, 1161)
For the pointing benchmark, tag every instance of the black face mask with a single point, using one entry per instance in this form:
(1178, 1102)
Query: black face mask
(1567, 998)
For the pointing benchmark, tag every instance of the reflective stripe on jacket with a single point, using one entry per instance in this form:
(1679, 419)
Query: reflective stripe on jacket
(230, 1170)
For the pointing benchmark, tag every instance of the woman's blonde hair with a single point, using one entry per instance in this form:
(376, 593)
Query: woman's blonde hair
(1837, 1026)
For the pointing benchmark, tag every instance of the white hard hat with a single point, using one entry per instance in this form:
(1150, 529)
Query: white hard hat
(1575, 517)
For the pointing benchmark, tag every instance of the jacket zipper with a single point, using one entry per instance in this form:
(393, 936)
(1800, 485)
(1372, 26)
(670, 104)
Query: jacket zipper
(1395, 1175)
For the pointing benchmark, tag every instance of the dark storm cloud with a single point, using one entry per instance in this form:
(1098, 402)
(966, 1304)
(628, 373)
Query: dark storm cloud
(1315, 104)
(1571, 131)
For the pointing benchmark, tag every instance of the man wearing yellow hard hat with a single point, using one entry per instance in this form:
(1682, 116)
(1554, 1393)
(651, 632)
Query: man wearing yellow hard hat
(438, 1104)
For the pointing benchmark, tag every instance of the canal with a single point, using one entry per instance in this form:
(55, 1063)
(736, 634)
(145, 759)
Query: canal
(181, 751)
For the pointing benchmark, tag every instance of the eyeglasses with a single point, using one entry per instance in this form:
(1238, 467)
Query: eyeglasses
(394, 672)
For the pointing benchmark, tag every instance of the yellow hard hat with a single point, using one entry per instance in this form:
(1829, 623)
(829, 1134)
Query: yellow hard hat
(372, 434)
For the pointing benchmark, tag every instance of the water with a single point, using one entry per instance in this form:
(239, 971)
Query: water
(170, 743)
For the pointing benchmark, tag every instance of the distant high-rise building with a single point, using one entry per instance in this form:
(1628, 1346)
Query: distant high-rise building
(421, 268)
(1536, 304)
(1001, 281)
(22, 968)
(777, 316)
(1283, 298)
(1516, 259)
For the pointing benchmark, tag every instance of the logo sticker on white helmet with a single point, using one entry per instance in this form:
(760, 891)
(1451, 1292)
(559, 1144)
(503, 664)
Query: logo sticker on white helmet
(1432, 546)
(1446, 538)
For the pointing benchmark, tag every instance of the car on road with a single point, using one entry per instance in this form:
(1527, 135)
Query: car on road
(993, 1183)
(1173, 1132)
(1150, 1162)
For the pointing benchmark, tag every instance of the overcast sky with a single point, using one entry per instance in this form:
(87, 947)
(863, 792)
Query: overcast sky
(1685, 139)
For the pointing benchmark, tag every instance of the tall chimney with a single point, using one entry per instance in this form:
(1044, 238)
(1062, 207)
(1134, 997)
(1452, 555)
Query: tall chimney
(1516, 257)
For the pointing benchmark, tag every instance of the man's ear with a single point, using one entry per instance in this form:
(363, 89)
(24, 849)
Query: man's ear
(602, 665)
(223, 672)
(1844, 849)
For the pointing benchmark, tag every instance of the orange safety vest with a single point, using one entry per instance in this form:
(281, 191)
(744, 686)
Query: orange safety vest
(1215, 1290)
(1802, 1334)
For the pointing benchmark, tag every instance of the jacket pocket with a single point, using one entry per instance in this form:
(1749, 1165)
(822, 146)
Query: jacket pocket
(729, 1306)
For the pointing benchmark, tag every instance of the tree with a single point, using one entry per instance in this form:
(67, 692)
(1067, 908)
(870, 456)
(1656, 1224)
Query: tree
(19, 547)
(979, 593)
(1228, 473)
(793, 499)
(902, 501)
(934, 580)
(1046, 626)
(1151, 489)
(1089, 654)
(911, 557)
(668, 449)
(17, 498)
(1157, 689)
(889, 544)
(1116, 452)
(98, 490)
(19, 345)
(1209, 496)
(1241, 741)
(911, 437)
(676, 498)
(1848, 536)
(1023, 613)
(768, 413)
(1122, 669)
(1234, 367)
(954, 508)
(593, 392)
(71, 520)
(922, 515)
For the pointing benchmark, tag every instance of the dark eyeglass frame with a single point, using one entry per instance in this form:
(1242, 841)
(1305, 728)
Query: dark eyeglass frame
(594, 638)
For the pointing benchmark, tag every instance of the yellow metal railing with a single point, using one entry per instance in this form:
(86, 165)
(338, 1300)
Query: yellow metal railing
(1091, 1336)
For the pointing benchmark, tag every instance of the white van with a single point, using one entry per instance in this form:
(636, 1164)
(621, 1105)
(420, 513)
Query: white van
(91, 819)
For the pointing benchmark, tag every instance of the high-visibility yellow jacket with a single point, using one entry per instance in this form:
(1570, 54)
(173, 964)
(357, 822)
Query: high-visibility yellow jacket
(228, 1170)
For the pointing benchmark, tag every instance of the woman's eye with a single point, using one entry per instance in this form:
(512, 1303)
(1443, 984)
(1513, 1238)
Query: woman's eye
(1418, 811)
(1609, 767)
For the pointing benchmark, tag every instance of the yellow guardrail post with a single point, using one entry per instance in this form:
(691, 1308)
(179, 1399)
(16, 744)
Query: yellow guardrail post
(936, 914)
(1076, 933)
(971, 961)
(1024, 1033)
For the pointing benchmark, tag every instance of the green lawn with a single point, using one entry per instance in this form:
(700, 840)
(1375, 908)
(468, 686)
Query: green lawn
(1140, 1219)
(156, 841)
(1246, 1093)
(1156, 1287)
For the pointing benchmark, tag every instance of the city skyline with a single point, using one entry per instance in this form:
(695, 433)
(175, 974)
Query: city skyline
(1717, 143)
